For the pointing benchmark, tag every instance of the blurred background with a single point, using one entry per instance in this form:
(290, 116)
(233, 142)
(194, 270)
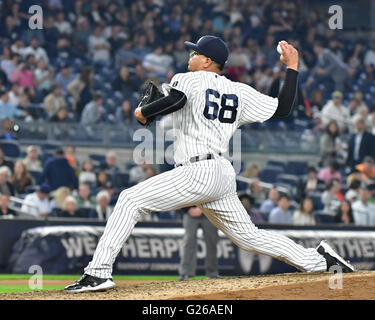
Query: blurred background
(68, 92)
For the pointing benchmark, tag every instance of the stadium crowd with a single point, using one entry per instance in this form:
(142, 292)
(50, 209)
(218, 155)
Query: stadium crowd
(90, 59)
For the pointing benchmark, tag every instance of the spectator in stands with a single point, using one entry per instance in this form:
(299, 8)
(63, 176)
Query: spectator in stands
(43, 77)
(110, 163)
(345, 213)
(24, 74)
(61, 116)
(7, 132)
(335, 110)
(332, 197)
(11, 65)
(84, 198)
(248, 203)
(268, 205)
(330, 144)
(317, 100)
(369, 58)
(31, 160)
(14, 94)
(363, 210)
(54, 101)
(4, 206)
(157, 63)
(124, 82)
(80, 89)
(87, 174)
(367, 170)
(69, 208)
(281, 214)
(64, 77)
(137, 173)
(21, 178)
(353, 192)
(58, 172)
(125, 55)
(99, 47)
(4, 162)
(37, 51)
(251, 171)
(361, 144)
(8, 110)
(70, 155)
(5, 186)
(37, 204)
(59, 195)
(102, 179)
(124, 114)
(331, 172)
(63, 26)
(361, 113)
(304, 215)
(102, 209)
(329, 66)
(311, 183)
(93, 111)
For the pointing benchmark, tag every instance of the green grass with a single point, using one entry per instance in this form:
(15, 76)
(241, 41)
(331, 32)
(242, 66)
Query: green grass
(25, 288)
(75, 277)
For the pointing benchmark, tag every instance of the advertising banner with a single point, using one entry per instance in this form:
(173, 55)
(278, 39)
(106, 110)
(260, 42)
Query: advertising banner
(68, 249)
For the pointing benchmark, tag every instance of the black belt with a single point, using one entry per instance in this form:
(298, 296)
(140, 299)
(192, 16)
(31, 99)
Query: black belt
(207, 156)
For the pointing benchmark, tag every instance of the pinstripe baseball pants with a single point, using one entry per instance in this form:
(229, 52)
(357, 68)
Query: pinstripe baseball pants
(211, 185)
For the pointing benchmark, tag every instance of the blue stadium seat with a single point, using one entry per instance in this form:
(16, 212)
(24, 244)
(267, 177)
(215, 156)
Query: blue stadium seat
(298, 168)
(11, 148)
(276, 163)
(270, 173)
(321, 217)
(316, 198)
(35, 175)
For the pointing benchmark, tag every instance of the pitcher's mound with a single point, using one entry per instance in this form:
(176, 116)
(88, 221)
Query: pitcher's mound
(359, 285)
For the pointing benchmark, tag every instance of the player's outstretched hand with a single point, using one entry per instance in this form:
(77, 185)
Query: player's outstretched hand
(289, 55)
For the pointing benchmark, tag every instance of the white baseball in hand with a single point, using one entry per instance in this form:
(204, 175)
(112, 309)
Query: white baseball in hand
(279, 50)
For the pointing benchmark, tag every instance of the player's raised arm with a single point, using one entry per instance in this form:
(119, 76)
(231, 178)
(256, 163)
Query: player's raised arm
(259, 107)
(288, 92)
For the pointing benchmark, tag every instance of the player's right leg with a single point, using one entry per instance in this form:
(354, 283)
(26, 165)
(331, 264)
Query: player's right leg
(229, 216)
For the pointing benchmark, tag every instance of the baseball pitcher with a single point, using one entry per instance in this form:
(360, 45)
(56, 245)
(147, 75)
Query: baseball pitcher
(207, 109)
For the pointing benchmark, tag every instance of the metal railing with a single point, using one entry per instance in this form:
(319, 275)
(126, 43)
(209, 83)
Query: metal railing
(260, 139)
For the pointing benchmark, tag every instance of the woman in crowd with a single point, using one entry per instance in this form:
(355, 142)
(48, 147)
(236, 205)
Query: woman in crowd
(80, 89)
(69, 208)
(304, 215)
(21, 178)
(87, 174)
(330, 144)
(32, 161)
(345, 213)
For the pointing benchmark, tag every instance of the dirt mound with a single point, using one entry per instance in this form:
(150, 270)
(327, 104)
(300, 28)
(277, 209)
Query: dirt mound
(359, 285)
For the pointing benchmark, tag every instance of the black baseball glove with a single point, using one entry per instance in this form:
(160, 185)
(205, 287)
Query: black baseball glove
(150, 94)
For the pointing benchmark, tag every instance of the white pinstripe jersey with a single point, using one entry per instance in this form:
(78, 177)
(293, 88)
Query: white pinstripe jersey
(215, 108)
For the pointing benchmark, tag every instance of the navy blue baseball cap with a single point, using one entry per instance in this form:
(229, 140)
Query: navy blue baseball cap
(212, 47)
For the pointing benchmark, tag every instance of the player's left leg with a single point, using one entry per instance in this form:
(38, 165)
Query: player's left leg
(229, 216)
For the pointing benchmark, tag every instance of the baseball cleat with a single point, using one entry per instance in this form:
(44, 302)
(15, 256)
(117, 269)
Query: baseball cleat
(90, 283)
(333, 259)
